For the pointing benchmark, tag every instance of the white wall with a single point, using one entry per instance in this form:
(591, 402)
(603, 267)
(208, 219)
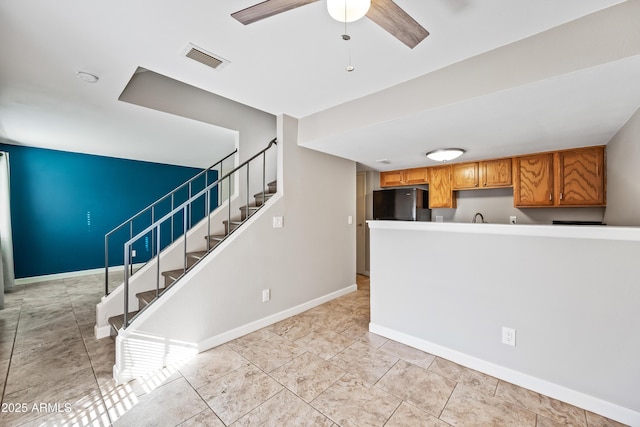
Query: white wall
(623, 175)
(309, 260)
(573, 302)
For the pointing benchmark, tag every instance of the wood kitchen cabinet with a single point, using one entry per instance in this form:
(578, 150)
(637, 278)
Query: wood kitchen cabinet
(533, 180)
(440, 187)
(415, 176)
(485, 174)
(495, 173)
(465, 176)
(573, 177)
(581, 177)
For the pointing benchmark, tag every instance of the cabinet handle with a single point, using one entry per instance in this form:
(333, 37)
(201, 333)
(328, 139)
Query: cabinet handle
(560, 196)
(485, 184)
(550, 196)
(475, 185)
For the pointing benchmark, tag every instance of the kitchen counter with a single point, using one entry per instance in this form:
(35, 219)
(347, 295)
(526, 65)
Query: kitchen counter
(570, 292)
(540, 230)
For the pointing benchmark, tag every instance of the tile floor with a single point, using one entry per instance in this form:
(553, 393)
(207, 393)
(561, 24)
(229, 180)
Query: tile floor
(320, 368)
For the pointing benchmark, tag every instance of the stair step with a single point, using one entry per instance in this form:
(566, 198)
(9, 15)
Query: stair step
(260, 196)
(234, 224)
(117, 322)
(145, 298)
(171, 276)
(193, 257)
(251, 209)
(272, 186)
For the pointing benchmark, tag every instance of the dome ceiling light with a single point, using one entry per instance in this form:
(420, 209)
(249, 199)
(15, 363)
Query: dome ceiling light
(445, 154)
(348, 10)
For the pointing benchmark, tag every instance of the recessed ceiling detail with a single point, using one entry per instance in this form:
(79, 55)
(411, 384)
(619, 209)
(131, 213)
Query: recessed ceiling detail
(202, 56)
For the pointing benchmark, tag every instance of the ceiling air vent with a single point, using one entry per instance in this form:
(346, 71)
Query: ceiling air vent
(204, 57)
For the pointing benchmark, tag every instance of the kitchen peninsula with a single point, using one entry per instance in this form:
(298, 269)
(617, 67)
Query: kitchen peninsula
(571, 293)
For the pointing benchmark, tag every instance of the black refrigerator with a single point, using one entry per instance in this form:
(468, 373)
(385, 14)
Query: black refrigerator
(401, 204)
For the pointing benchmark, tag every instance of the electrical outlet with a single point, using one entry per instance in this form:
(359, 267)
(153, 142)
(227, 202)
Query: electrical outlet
(266, 295)
(439, 218)
(277, 222)
(133, 253)
(512, 219)
(349, 220)
(508, 336)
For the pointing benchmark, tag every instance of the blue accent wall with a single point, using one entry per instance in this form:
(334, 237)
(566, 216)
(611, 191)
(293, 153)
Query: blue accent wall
(63, 204)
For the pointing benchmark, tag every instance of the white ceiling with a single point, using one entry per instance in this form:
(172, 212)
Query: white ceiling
(293, 63)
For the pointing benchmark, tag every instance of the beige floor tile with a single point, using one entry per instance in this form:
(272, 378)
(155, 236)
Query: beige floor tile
(250, 339)
(546, 422)
(470, 407)
(284, 409)
(464, 375)
(518, 395)
(211, 365)
(205, 418)
(307, 375)
(51, 388)
(371, 339)
(408, 354)
(271, 353)
(595, 420)
(168, 405)
(239, 392)
(409, 416)
(88, 410)
(352, 402)
(324, 343)
(562, 412)
(418, 386)
(365, 362)
(294, 327)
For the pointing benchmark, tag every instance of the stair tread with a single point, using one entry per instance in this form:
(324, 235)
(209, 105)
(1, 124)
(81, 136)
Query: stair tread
(118, 321)
(173, 273)
(216, 236)
(197, 254)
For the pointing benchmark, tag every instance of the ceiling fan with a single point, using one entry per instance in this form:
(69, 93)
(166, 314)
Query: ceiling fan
(385, 13)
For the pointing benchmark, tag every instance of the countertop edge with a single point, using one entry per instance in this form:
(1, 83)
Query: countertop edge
(563, 231)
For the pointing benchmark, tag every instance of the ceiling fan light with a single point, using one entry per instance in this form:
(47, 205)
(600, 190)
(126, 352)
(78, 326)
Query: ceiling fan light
(445, 154)
(348, 10)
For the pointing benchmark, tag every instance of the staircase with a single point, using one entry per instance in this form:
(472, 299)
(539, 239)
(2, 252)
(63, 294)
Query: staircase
(165, 278)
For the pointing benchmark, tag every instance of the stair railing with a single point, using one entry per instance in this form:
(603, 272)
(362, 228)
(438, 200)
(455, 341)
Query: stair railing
(151, 212)
(183, 210)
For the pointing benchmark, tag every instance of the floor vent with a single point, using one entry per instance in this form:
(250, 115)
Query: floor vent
(204, 57)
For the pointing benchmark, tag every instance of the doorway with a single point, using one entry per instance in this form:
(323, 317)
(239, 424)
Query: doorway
(361, 225)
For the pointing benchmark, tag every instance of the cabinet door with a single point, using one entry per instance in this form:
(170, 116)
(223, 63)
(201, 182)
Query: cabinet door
(465, 176)
(533, 181)
(581, 177)
(415, 176)
(495, 173)
(391, 178)
(440, 189)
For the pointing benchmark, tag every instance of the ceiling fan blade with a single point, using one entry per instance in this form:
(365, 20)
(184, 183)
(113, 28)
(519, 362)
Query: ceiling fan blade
(397, 22)
(266, 9)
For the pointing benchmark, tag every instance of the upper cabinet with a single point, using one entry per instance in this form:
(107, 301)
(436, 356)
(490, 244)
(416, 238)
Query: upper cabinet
(573, 177)
(495, 173)
(533, 183)
(485, 174)
(581, 177)
(415, 176)
(440, 187)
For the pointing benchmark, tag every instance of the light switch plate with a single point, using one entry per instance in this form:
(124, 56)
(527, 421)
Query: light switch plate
(277, 222)
(350, 220)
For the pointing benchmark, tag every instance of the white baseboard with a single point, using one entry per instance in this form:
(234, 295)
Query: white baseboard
(69, 274)
(556, 391)
(270, 320)
(130, 363)
(101, 331)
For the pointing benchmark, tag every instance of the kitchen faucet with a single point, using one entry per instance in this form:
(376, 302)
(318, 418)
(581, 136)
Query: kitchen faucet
(475, 218)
